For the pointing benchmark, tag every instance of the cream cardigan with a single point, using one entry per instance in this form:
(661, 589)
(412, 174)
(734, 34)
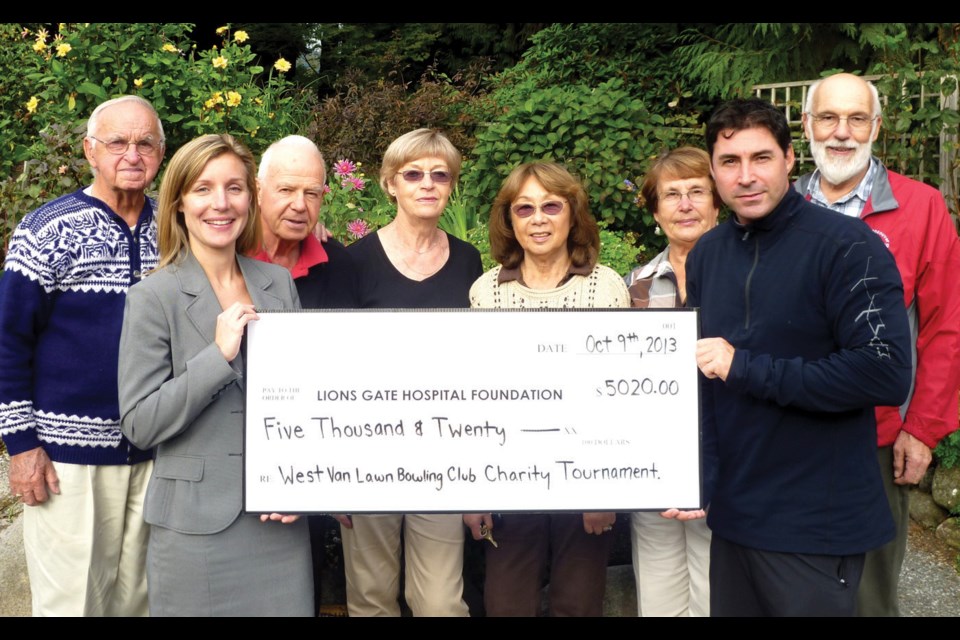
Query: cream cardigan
(602, 288)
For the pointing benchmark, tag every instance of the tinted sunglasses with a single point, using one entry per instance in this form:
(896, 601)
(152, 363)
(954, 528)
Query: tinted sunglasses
(415, 175)
(525, 210)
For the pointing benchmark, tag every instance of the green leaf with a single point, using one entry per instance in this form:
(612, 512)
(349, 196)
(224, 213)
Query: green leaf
(90, 89)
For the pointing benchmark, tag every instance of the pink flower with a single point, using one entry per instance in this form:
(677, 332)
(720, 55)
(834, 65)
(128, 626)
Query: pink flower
(358, 228)
(326, 189)
(344, 168)
(355, 184)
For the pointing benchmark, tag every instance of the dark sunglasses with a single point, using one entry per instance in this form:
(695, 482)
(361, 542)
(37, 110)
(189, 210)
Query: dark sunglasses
(525, 210)
(415, 175)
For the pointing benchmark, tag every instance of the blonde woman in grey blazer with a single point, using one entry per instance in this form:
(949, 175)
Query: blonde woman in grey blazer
(181, 391)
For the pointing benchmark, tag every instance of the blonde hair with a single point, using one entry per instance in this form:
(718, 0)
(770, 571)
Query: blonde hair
(421, 143)
(185, 167)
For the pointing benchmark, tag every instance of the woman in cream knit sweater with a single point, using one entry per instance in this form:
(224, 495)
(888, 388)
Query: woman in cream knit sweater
(546, 241)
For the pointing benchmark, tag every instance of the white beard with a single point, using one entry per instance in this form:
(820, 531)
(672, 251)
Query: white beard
(838, 170)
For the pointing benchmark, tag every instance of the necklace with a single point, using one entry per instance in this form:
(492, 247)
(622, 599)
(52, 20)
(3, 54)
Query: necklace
(425, 274)
(420, 252)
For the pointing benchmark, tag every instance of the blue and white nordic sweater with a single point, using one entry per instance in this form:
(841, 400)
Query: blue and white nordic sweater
(62, 295)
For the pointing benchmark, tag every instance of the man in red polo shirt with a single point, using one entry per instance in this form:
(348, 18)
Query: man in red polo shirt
(290, 184)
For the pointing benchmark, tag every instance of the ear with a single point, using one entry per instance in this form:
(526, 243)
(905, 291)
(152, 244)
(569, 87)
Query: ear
(790, 158)
(88, 152)
(259, 192)
(876, 130)
(805, 121)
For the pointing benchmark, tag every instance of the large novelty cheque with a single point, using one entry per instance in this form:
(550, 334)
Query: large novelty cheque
(472, 411)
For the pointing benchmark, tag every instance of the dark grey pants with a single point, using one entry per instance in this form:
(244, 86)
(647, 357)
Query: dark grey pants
(751, 582)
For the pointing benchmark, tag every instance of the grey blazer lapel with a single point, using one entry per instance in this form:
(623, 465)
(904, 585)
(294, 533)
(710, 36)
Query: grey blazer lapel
(201, 306)
(264, 293)
(260, 286)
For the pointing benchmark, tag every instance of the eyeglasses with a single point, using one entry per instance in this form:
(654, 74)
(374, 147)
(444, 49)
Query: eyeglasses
(698, 195)
(525, 210)
(830, 121)
(119, 147)
(415, 175)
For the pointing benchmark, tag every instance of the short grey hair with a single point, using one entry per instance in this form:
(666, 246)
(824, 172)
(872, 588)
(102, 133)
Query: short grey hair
(808, 105)
(94, 120)
(294, 141)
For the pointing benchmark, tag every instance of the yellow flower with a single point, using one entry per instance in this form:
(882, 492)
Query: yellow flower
(233, 98)
(218, 97)
(63, 49)
(281, 65)
(220, 62)
(138, 83)
(32, 104)
(240, 36)
(169, 48)
(39, 46)
(42, 35)
(258, 101)
(215, 99)
(222, 30)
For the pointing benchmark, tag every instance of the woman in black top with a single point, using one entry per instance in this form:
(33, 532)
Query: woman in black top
(411, 263)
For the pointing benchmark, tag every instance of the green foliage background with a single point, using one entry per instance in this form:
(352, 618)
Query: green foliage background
(55, 75)
(603, 98)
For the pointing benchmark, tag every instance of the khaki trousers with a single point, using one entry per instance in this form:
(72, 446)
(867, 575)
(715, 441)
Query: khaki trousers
(879, 595)
(86, 547)
(671, 564)
(433, 555)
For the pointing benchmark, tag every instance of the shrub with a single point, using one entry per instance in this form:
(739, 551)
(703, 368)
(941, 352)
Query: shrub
(479, 237)
(53, 82)
(364, 117)
(948, 451)
(620, 250)
(352, 205)
(600, 134)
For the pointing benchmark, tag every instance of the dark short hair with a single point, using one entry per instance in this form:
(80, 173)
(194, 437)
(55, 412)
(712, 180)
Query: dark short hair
(583, 243)
(681, 163)
(748, 113)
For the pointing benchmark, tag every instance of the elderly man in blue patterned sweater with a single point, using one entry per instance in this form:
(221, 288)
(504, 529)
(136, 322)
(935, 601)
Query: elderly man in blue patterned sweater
(67, 272)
